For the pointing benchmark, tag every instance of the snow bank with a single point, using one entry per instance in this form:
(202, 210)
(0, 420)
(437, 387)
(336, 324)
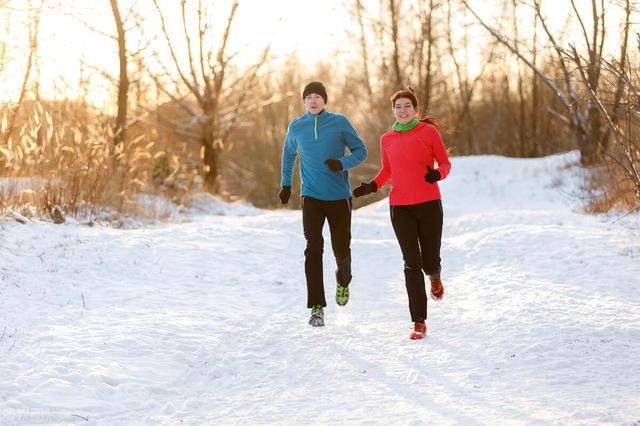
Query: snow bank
(204, 322)
(205, 203)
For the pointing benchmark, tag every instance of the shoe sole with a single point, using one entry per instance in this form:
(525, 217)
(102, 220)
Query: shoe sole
(316, 322)
(339, 303)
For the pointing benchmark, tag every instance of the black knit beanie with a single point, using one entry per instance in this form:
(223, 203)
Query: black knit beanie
(315, 87)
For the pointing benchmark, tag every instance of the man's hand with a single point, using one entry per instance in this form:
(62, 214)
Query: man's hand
(334, 165)
(284, 194)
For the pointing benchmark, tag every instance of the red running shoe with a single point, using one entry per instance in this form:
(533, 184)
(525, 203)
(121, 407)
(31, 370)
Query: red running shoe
(437, 290)
(419, 331)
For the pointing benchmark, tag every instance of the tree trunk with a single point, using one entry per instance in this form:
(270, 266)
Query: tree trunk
(535, 108)
(393, 10)
(589, 150)
(210, 162)
(426, 99)
(363, 49)
(34, 24)
(210, 153)
(123, 84)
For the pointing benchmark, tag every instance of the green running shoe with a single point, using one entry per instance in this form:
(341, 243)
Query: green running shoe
(317, 316)
(342, 295)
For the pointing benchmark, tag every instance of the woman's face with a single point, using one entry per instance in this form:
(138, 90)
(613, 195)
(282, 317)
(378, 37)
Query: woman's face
(403, 110)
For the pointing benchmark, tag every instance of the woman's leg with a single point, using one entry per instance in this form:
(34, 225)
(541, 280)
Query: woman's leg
(430, 234)
(405, 227)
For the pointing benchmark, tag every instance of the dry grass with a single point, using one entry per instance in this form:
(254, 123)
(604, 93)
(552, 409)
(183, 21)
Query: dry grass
(610, 190)
(71, 163)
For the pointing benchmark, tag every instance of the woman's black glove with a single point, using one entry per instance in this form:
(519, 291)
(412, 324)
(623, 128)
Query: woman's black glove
(364, 189)
(432, 176)
(284, 194)
(334, 165)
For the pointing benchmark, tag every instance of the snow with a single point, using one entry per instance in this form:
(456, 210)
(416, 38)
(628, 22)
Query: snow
(205, 321)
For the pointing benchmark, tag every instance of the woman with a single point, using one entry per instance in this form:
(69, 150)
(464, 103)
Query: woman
(408, 153)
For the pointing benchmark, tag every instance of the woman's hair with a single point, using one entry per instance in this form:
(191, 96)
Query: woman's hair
(408, 93)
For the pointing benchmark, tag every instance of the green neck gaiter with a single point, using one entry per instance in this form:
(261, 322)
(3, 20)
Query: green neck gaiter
(405, 127)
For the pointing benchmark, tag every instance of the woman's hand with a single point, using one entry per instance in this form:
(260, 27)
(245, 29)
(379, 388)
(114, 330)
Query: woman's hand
(365, 189)
(432, 176)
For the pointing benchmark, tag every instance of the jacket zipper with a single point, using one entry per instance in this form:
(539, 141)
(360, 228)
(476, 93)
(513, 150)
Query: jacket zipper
(315, 127)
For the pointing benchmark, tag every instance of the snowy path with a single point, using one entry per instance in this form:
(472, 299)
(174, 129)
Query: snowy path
(205, 322)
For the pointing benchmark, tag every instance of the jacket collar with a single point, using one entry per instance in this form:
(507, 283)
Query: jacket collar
(322, 115)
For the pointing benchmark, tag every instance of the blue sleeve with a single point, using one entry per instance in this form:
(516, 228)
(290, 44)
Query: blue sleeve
(355, 145)
(289, 154)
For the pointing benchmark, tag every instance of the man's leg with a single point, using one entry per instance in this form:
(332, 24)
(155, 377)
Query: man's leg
(339, 218)
(312, 221)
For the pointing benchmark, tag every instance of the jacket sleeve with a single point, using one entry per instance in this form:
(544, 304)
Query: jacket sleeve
(355, 145)
(289, 154)
(439, 151)
(385, 172)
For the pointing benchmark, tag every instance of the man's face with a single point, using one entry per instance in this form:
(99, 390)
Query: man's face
(314, 103)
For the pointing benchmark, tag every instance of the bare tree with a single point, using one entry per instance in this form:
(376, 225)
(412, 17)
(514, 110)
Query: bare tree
(622, 82)
(582, 118)
(364, 49)
(395, 56)
(522, 96)
(259, 181)
(34, 25)
(535, 92)
(424, 51)
(206, 79)
(462, 118)
(3, 43)
(120, 132)
(128, 21)
(626, 157)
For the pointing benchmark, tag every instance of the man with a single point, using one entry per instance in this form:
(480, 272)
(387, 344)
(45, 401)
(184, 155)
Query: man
(321, 137)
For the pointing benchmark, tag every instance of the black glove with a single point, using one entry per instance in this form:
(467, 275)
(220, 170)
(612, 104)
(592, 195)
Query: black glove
(284, 194)
(364, 189)
(334, 165)
(432, 176)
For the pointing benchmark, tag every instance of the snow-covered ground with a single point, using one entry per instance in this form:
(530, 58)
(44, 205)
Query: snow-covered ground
(205, 322)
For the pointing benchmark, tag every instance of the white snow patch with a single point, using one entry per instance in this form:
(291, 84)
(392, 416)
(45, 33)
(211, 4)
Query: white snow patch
(205, 203)
(205, 322)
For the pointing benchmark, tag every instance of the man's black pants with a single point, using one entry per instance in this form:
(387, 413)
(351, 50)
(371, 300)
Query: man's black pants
(338, 214)
(418, 229)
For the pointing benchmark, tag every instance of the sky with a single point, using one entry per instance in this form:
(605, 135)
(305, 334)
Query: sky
(314, 30)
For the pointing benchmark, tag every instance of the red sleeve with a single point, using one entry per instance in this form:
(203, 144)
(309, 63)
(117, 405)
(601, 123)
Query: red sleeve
(385, 172)
(439, 152)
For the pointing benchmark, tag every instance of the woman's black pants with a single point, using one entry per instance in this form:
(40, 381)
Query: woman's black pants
(418, 229)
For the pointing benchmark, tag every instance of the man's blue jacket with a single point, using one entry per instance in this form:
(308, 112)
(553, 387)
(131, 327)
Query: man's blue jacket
(319, 138)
